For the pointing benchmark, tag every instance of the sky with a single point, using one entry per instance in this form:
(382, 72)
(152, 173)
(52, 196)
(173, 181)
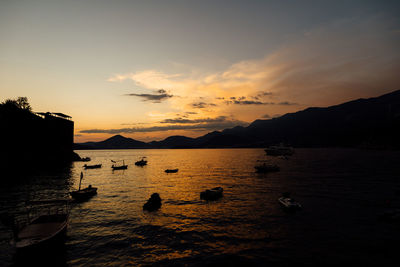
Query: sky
(152, 69)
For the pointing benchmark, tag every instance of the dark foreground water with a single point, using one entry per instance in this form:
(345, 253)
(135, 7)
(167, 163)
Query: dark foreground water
(343, 191)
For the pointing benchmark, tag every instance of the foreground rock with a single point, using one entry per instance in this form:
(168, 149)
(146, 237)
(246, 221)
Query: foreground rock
(212, 194)
(154, 203)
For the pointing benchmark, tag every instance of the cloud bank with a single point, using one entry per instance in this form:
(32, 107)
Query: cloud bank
(205, 124)
(220, 119)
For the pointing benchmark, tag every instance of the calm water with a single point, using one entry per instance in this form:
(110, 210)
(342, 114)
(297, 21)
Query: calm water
(342, 191)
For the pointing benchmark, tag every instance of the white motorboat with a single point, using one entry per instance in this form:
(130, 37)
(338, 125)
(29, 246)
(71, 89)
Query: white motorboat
(289, 203)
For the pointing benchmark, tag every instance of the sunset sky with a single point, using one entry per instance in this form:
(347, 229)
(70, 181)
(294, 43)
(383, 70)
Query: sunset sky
(152, 69)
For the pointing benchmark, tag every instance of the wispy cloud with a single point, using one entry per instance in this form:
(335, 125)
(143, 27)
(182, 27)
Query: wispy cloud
(147, 78)
(266, 116)
(247, 102)
(202, 105)
(157, 97)
(251, 102)
(287, 103)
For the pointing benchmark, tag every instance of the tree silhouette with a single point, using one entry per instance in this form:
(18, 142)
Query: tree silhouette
(20, 102)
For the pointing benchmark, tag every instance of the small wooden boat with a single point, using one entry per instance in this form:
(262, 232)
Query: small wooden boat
(95, 166)
(154, 203)
(141, 162)
(43, 229)
(83, 194)
(212, 194)
(171, 170)
(289, 203)
(267, 168)
(119, 167)
(122, 167)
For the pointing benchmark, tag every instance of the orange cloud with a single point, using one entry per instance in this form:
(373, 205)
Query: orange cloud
(344, 60)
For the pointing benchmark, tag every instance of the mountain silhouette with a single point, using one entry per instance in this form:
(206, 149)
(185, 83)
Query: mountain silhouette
(372, 122)
(115, 142)
(176, 141)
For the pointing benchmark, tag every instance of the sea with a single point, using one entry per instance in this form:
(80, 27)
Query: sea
(343, 192)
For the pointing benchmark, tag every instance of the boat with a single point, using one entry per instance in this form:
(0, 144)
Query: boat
(95, 166)
(266, 168)
(122, 167)
(85, 159)
(83, 194)
(154, 203)
(119, 167)
(289, 203)
(212, 194)
(280, 150)
(41, 230)
(141, 162)
(171, 170)
(44, 229)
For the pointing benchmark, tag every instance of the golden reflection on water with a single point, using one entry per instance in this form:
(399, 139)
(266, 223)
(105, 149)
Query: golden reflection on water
(337, 187)
(122, 193)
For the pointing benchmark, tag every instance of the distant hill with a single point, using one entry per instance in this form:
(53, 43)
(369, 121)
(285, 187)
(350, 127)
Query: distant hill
(175, 141)
(115, 142)
(223, 140)
(372, 122)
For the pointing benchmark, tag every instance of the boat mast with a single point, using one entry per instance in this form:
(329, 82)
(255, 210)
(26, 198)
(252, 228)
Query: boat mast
(80, 181)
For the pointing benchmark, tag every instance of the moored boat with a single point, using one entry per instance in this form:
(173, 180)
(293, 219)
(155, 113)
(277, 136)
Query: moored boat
(119, 167)
(141, 162)
(44, 229)
(171, 170)
(289, 203)
(95, 166)
(83, 194)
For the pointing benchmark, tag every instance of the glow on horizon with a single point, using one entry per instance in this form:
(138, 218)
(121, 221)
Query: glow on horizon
(173, 77)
